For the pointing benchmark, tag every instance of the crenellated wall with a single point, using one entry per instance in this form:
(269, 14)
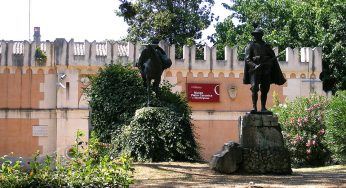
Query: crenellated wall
(47, 101)
(64, 53)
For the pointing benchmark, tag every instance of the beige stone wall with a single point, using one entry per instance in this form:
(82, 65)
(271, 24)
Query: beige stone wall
(68, 122)
(37, 113)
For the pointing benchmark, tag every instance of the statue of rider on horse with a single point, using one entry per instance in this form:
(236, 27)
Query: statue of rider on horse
(152, 62)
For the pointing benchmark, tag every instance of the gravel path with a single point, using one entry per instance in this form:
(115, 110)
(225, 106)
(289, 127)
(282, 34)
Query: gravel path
(177, 174)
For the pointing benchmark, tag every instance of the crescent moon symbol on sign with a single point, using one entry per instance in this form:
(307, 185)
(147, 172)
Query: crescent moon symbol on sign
(215, 89)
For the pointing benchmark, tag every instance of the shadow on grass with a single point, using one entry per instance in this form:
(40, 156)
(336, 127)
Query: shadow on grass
(197, 174)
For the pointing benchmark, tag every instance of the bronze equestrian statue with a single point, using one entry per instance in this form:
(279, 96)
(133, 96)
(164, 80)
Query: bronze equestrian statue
(261, 69)
(152, 62)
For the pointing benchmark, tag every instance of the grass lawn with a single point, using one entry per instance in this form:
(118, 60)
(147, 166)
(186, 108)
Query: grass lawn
(180, 174)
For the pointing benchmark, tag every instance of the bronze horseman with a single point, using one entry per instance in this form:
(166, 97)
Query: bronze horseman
(152, 62)
(261, 69)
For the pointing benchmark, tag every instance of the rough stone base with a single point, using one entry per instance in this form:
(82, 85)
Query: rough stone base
(227, 160)
(266, 161)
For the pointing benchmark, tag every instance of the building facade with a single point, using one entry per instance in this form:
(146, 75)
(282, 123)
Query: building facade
(43, 105)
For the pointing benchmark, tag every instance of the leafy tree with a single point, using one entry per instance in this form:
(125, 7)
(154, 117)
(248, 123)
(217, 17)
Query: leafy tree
(292, 24)
(336, 126)
(176, 21)
(333, 47)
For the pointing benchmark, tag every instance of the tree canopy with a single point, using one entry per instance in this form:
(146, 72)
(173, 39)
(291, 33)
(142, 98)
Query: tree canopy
(175, 21)
(287, 23)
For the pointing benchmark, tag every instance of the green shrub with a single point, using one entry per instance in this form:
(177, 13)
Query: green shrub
(303, 129)
(113, 108)
(336, 126)
(156, 134)
(40, 57)
(115, 94)
(82, 170)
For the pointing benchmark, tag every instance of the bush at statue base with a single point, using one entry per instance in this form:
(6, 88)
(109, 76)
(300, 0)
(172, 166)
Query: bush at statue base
(158, 134)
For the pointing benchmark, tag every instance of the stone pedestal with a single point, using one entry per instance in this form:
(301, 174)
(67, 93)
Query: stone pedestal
(263, 145)
(261, 148)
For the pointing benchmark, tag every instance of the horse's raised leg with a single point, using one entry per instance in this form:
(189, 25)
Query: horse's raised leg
(156, 86)
(148, 91)
(144, 81)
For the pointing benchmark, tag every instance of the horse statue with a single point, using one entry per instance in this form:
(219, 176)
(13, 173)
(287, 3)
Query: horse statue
(152, 62)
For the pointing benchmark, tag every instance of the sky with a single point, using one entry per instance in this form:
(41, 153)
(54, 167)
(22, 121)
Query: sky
(78, 19)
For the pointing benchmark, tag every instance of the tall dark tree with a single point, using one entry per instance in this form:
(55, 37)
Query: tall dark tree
(287, 23)
(175, 21)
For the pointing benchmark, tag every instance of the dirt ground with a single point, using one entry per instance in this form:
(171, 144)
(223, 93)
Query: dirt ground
(178, 174)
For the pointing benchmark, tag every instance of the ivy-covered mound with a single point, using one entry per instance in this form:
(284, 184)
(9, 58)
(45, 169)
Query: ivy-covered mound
(155, 134)
(163, 134)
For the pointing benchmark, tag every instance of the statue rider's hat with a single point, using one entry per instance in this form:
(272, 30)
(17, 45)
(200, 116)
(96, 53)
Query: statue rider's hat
(258, 31)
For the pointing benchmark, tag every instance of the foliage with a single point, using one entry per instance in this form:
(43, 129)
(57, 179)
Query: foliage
(113, 108)
(336, 126)
(333, 47)
(163, 133)
(40, 57)
(303, 128)
(115, 94)
(292, 24)
(155, 134)
(81, 171)
(177, 22)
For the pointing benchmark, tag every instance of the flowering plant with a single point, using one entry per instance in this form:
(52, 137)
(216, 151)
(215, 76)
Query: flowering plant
(303, 129)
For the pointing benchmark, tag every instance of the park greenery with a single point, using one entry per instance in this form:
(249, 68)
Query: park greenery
(177, 22)
(314, 129)
(115, 94)
(336, 126)
(86, 168)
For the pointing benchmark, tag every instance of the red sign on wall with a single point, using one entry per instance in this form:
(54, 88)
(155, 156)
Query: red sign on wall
(203, 92)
